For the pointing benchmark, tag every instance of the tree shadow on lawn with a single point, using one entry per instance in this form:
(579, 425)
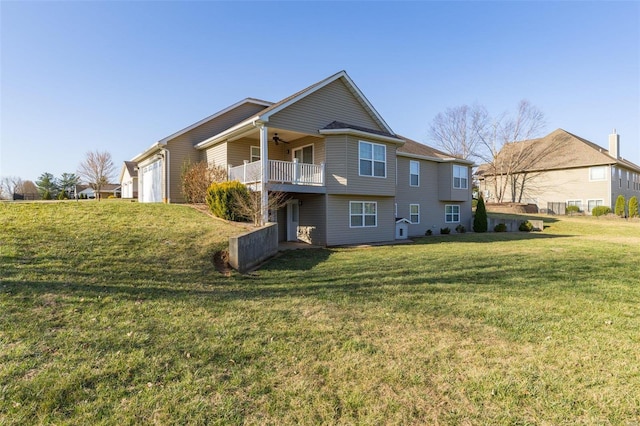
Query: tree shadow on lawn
(488, 237)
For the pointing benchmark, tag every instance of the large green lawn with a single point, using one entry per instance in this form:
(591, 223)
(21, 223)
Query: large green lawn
(113, 313)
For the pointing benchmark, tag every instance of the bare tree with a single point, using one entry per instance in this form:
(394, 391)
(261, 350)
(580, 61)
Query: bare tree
(10, 185)
(459, 131)
(509, 162)
(250, 206)
(196, 179)
(97, 170)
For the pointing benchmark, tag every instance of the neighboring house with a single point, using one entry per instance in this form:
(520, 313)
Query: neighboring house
(110, 189)
(129, 180)
(562, 169)
(348, 176)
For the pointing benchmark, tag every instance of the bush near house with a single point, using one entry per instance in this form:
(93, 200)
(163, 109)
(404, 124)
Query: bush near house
(600, 210)
(222, 199)
(501, 227)
(526, 226)
(633, 207)
(460, 229)
(620, 203)
(445, 231)
(572, 210)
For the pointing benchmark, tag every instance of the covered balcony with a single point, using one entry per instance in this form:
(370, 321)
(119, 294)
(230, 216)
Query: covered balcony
(281, 172)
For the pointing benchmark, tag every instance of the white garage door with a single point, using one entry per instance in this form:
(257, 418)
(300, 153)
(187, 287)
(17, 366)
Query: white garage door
(152, 183)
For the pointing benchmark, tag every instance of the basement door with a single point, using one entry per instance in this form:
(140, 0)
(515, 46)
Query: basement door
(292, 220)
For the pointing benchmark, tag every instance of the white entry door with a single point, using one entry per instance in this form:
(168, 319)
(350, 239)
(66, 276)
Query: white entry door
(152, 183)
(292, 220)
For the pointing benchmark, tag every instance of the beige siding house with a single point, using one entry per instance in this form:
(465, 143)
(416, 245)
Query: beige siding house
(563, 169)
(129, 180)
(334, 156)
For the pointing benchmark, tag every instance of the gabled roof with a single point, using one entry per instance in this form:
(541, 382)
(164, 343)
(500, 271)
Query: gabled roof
(418, 150)
(558, 150)
(131, 168)
(279, 106)
(265, 114)
(217, 114)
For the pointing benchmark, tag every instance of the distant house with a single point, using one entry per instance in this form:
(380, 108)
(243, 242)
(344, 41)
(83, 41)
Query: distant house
(129, 179)
(562, 169)
(110, 189)
(349, 178)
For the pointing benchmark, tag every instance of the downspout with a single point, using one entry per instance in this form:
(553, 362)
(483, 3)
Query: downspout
(167, 167)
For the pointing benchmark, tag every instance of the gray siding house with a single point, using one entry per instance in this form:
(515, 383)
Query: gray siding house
(347, 175)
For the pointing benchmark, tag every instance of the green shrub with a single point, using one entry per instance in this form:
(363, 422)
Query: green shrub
(501, 227)
(600, 210)
(572, 209)
(222, 199)
(460, 229)
(633, 207)
(445, 231)
(527, 226)
(480, 221)
(620, 205)
(428, 232)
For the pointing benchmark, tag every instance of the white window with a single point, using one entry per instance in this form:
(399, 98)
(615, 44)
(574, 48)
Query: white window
(373, 159)
(414, 213)
(414, 173)
(255, 153)
(577, 203)
(460, 177)
(304, 154)
(594, 203)
(452, 213)
(598, 173)
(363, 214)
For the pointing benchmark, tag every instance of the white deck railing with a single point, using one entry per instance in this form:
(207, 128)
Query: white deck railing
(291, 172)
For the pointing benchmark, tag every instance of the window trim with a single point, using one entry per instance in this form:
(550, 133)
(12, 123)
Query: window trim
(417, 163)
(604, 175)
(372, 160)
(466, 178)
(300, 148)
(251, 155)
(596, 200)
(363, 214)
(452, 213)
(412, 214)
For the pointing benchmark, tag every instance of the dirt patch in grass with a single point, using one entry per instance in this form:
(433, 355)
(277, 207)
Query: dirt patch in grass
(221, 262)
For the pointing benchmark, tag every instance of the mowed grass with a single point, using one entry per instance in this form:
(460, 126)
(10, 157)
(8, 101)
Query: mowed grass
(112, 313)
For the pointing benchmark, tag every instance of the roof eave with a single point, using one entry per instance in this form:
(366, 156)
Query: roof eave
(153, 148)
(217, 114)
(360, 133)
(436, 159)
(229, 133)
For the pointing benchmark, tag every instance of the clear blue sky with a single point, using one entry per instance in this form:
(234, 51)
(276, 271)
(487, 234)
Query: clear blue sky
(119, 76)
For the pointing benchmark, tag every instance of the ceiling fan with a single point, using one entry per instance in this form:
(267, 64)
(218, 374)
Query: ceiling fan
(277, 139)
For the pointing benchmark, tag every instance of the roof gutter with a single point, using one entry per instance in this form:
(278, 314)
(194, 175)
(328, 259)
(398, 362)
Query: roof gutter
(229, 133)
(436, 159)
(153, 148)
(360, 133)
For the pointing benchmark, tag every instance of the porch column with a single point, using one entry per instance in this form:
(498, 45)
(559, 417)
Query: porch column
(264, 172)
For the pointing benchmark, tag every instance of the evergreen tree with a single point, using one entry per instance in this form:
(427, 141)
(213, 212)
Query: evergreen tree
(47, 186)
(633, 207)
(620, 206)
(480, 221)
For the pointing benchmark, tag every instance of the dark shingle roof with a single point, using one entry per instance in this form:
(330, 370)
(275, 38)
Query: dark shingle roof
(339, 125)
(416, 148)
(558, 150)
(131, 168)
